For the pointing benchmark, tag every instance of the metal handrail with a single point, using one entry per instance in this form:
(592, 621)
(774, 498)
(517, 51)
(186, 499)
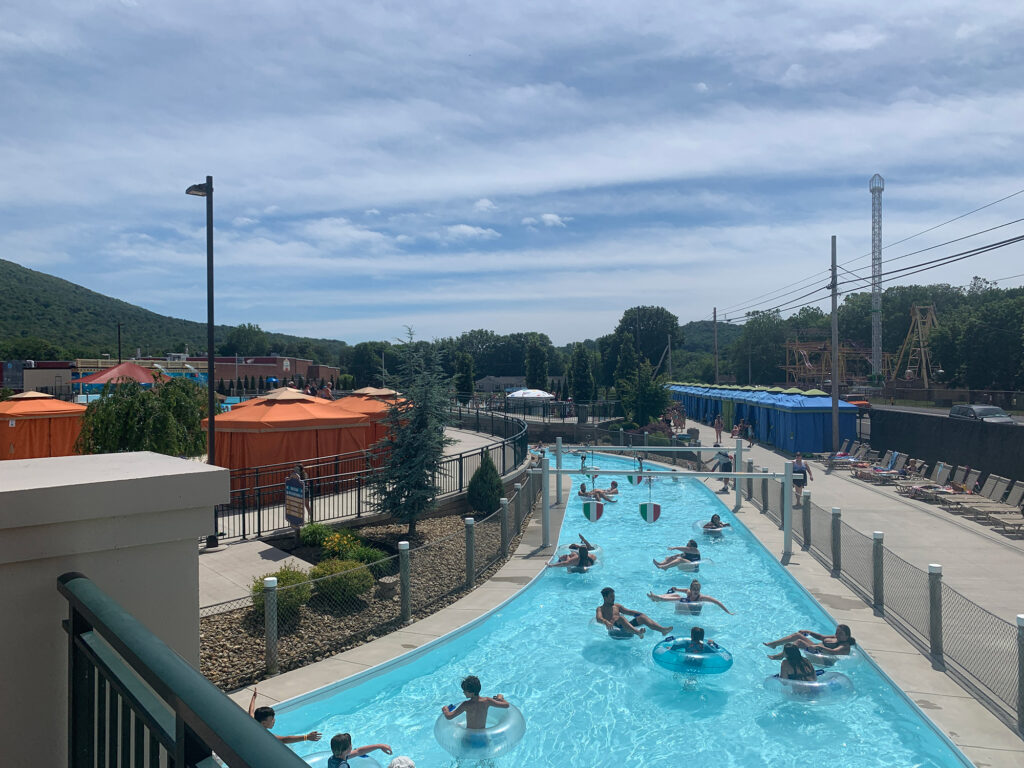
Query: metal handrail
(204, 719)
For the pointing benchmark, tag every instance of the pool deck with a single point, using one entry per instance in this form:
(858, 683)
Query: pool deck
(992, 576)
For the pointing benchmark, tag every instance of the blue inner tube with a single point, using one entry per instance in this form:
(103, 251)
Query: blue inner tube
(505, 727)
(828, 686)
(674, 654)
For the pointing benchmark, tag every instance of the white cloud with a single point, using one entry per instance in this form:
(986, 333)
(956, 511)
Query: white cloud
(483, 205)
(554, 220)
(701, 88)
(468, 232)
(372, 212)
(242, 221)
(529, 221)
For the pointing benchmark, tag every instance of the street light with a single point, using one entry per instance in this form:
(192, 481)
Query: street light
(206, 190)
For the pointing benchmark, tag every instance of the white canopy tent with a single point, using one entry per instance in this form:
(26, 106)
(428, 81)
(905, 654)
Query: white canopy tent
(531, 394)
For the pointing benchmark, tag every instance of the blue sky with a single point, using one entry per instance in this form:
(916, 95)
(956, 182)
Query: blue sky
(511, 166)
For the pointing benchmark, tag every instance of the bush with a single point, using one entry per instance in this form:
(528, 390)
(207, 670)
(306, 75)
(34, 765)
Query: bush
(627, 425)
(484, 492)
(314, 534)
(364, 553)
(341, 581)
(288, 600)
(338, 544)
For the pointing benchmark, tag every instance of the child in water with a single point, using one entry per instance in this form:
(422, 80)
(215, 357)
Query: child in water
(475, 706)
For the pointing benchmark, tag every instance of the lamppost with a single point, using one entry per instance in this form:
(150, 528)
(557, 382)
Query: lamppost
(206, 190)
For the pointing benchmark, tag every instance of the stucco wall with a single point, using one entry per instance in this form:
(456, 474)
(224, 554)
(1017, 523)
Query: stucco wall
(131, 523)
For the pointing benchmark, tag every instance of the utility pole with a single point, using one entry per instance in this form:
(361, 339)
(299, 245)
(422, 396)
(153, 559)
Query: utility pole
(119, 343)
(714, 323)
(835, 353)
(670, 357)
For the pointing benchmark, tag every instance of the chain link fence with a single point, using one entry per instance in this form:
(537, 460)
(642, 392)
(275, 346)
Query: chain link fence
(338, 604)
(984, 652)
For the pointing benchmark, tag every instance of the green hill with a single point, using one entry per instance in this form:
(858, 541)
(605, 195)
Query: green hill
(46, 318)
(699, 336)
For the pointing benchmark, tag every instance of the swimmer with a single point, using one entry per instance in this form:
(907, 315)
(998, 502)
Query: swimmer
(691, 595)
(475, 706)
(613, 616)
(795, 666)
(715, 523)
(838, 644)
(580, 558)
(594, 494)
(266, 717)
(611, 490)
(341, 750)
(696, 643)
(583, 543)
(690, 554)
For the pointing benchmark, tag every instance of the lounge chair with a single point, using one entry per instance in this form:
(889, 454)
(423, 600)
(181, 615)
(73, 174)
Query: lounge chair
(980, 507)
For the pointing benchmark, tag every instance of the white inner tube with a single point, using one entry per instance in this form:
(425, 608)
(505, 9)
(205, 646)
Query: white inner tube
(828, 686)
(505, 727)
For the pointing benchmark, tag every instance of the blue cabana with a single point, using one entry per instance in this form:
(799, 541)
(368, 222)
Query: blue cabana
(790, 422)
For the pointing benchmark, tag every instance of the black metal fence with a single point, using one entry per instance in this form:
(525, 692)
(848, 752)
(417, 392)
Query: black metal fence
(550, 410)
(341, 487)
(984, 652)
(133, 702)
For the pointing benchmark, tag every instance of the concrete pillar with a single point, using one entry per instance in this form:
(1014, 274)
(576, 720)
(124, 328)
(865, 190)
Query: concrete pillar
(805, 522)
(505, 537)
(785, 494)
(764, 493)
(737, 465)
(405, 581)
(837, 552)
(270, 624)
(935, 612)
(558, 465)
(750, 480)
(877, 572)
(1020, 672)
(622, 436)
(470, 552)
(545, 492)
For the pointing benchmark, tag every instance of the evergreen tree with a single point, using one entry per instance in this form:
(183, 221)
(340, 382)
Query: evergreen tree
(262, 385)
(644, 396)
(484, 492)
(464, 377)
(626, 369)
(536, 365)
(582, 388)
(406, 485)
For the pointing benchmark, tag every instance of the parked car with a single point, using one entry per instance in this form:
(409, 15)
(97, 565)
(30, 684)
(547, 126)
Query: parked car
(990, 414)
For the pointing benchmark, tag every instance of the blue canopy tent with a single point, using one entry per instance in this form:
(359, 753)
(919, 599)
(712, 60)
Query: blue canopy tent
(791, 422)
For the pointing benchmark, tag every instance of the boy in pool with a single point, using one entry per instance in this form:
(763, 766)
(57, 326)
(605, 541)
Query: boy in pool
(696, 643)
(266, 717)
(475, 706)
(341, 750)
(613, 616)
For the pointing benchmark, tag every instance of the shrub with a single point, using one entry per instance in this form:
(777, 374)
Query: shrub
(338, 544)
(364, 553)
(314, 534)
(288, 600)
(628, 425)
(341, 581)
(484, 492)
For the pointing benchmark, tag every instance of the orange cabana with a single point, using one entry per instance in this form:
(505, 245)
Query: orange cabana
(375, 410)
(287, 426)
(34, 425)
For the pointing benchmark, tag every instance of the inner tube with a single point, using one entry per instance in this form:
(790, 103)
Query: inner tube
(319, 760)
(505, 727)
(716, 532)
(616, 633)
(829, 686)
(825, 659)
(691, 609)
(692, 566)
(674, 655)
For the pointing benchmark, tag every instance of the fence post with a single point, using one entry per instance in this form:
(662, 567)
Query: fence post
(837, 553)
(558, 465)
(764, 492)
(404, 581)
(545, 492)
(470, 552)
(750, 480)
(270, 623)
(519, 506)
(784, 497)
(1020, 672)
(505, 538)
(786, 515)
(805, 520)
(877, 573)
(646, 443)
(935, 612)
(622, 436)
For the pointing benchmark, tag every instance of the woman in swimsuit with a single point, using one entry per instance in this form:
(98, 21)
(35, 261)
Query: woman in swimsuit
(715, 523)
(838, 644)
(690, 555)
(596, 494)
(691, 595)
(795, 666)
(580, 559)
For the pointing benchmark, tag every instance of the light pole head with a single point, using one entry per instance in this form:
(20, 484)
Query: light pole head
(876, 184)
(201, 190)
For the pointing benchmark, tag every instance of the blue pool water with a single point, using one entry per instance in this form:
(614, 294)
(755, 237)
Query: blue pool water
(592, 701)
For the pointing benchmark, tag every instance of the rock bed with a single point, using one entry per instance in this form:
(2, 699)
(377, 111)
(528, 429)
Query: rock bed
(232, 643)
